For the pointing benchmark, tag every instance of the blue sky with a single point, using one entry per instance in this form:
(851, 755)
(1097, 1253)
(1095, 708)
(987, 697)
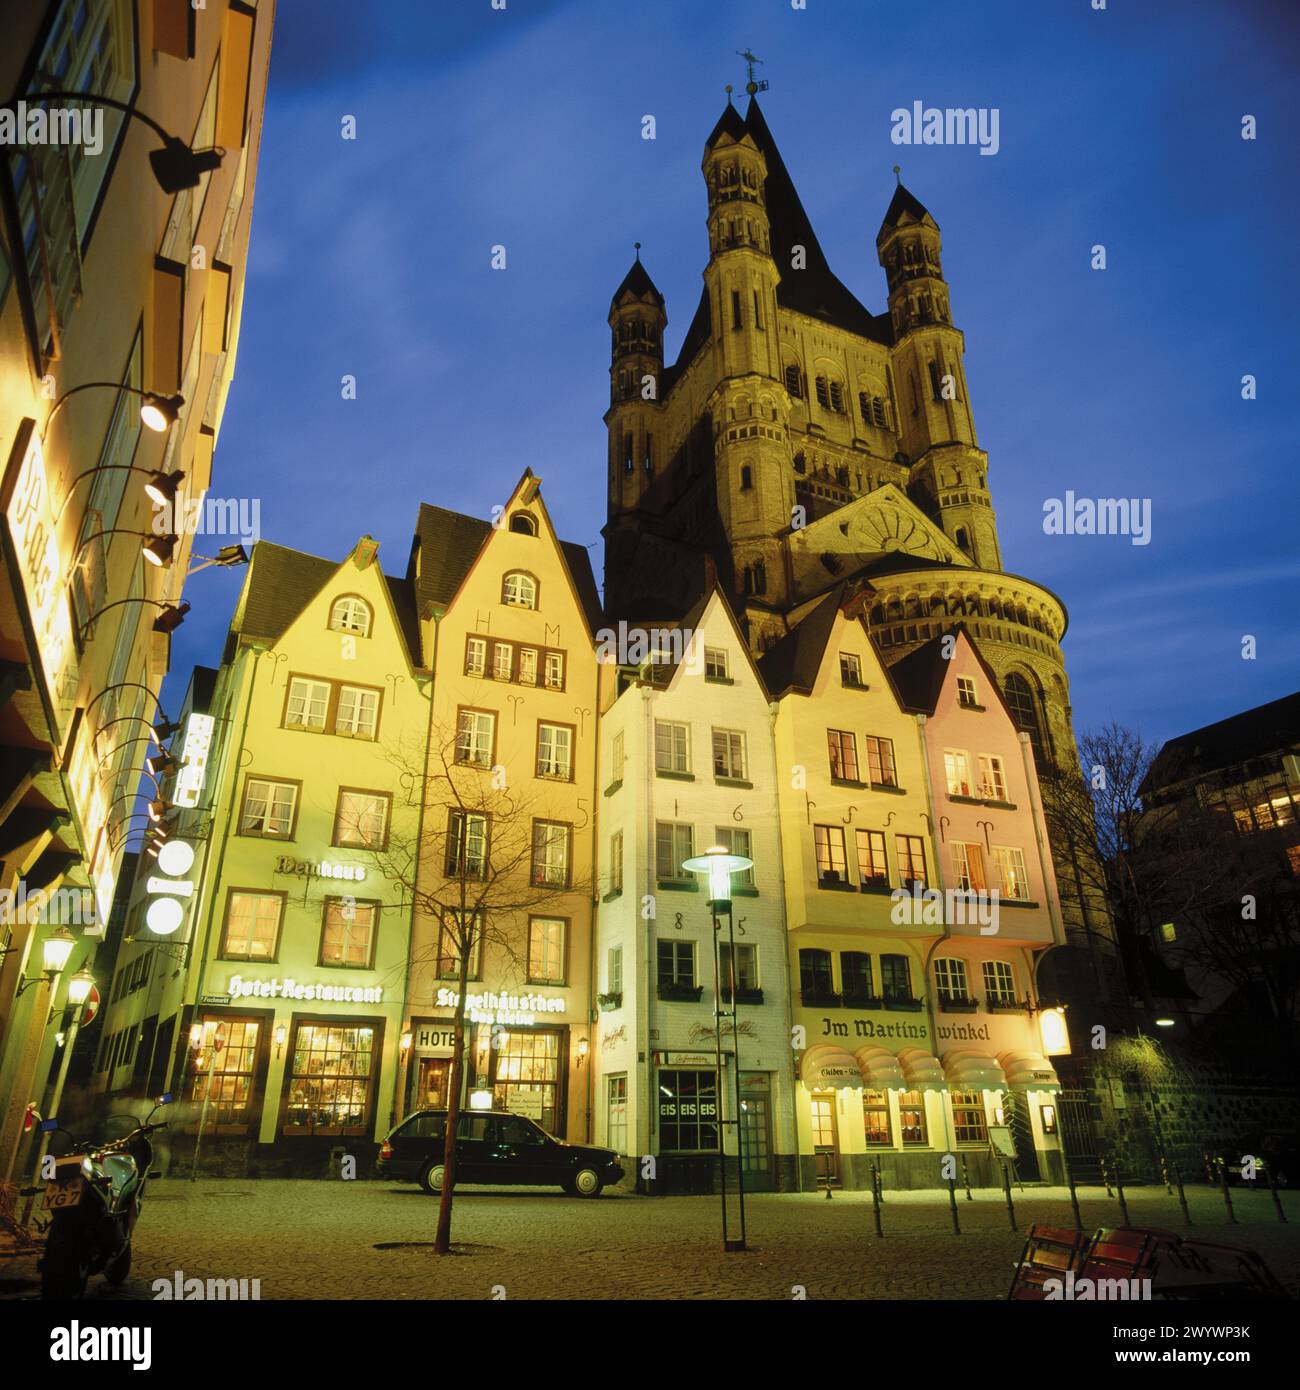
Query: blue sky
(523, 127)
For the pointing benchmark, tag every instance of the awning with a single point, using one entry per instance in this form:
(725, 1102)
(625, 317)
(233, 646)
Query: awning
(1029, 1069)
(880, 1069)
(826, 1067)
(973, 1071)
(921, 1070)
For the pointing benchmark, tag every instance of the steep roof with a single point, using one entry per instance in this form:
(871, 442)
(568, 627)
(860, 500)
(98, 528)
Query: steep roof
(793, 662)
(638, 284)
(731, 122)
(903, 204)
(1240, 737)
(918, 676)
(282, 582)
(450, 541)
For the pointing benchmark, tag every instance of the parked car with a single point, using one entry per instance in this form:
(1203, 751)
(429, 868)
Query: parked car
(494, 1146)
(1271, 1150)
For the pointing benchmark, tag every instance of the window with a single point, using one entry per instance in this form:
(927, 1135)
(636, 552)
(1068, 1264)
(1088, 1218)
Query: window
(503, 661)
(553, 666)
(467, 845)
(546, 950)
(746, 969)
(309, 703)
(969, 1123)
(348, 935)
(328, 1088)
(616, 757)
(1013, 881)
(966, 693)
(350, 614)
(460, 933)
(855, 971)
(715, 663)
(555, 751)
(527, 666)
(361, 819)
(758, 312)
(268, 808)
(674, 842)
(616, 862)
(614, 971)
(523, 524)
(968, 864)
(252, 929)
(551, 853)
(672, 747)
(475, 736)
(842, 747)
(950, 979)
(956, 768)
(688, 1111)
(911, 858)
(831, 861)
(993, 782)
(358, 711)
(837, 397)
(823, 393)
(911, 1117)
(999, 982)
(475, 656)
(872, 866)
(875, 1115)
(519, 590)
(225, 1077)
(736, 320)
(675, 964)
(851, 670)
(746, 478)
(616, 1113)
(815, 981)
(1024, 710)
(794, 380)
(880, 761)
(729, 754)
(736, 841)
(895, 979)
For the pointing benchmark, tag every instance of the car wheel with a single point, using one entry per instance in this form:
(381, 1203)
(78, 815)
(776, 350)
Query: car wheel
(586, 1182)
(431, 1178)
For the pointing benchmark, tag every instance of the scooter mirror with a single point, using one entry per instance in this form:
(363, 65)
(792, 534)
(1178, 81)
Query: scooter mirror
(166, 1098)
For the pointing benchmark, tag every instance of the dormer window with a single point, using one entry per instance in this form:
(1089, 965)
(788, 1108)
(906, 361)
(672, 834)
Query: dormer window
(350, 614)
(519, 590)
(524, 524)
(967, 695)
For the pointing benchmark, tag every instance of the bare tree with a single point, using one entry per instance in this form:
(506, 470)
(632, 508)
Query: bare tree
(486, 855)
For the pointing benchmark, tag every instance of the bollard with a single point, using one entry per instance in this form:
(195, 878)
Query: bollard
(875, 1198)
(1164, 1176)
(1006, 1187)
(1105, 1176)
(1227, 1196)
(1074, 1197)
(965, 1177)
(1272, 1187)
(1182, 1196)
(952, 1202)
(1119, 1192)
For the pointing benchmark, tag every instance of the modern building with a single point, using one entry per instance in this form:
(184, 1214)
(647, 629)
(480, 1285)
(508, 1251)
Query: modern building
(121, 283)
(687, 763)
(800, 440)
(508, 612)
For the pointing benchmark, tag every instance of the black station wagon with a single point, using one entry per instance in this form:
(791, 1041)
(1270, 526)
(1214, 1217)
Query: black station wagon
(493, 1146)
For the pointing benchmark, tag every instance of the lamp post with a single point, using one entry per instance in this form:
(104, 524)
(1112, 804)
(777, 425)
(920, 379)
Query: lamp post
(718, 864)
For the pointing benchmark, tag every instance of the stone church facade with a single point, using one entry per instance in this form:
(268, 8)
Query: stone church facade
(800, 441)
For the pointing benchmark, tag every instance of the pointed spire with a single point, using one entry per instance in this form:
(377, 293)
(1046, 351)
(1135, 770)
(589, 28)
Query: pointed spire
(903, 204)
(637, 283)
(731, 123)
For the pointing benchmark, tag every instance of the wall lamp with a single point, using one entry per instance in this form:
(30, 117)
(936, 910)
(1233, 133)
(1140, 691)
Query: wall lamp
(158, 550)
(55, 950)
(157, 412)
(168, 620)
(175, 165)
(227, 557)
(155, 487)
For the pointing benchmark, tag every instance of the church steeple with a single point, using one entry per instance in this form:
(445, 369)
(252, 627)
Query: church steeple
(637, 320)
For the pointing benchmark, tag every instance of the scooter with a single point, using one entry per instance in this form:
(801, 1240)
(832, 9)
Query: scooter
(93, 1197)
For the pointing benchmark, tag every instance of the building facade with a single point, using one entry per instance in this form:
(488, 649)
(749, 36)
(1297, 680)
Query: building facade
(117, 287)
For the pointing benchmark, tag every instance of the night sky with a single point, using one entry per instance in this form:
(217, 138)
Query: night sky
(523, 127)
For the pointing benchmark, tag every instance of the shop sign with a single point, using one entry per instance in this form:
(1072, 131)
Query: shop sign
(194, 760)
(214, 999)
(519, 1010)
(526, 1103)
(690, 1059)
(997, 1033)
(305, 868)
(434, 1039)
(909, 1028)
(288, 988)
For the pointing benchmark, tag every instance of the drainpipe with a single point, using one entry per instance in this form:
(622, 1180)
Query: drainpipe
(773, 713)
(943, 896)
(593, 1017)
(647, 751)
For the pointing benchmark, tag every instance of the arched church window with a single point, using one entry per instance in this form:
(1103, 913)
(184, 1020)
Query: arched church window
(1024, 709)
(746, 478)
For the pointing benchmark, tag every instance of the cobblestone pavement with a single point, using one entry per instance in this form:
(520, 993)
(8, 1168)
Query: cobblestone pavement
(318, 1240)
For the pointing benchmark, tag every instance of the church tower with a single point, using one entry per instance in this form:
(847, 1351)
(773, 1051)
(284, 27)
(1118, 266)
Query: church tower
(949, 471)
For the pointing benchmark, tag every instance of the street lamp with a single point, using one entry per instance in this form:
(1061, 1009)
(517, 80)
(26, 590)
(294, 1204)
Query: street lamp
(719, 864)
(55, 951)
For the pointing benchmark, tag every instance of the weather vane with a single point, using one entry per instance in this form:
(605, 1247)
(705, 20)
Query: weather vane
(751, 86)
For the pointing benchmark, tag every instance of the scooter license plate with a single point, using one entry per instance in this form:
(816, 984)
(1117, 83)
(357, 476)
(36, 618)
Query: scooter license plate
(62, 1194)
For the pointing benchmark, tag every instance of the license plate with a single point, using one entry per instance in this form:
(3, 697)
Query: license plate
(62, 1194)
